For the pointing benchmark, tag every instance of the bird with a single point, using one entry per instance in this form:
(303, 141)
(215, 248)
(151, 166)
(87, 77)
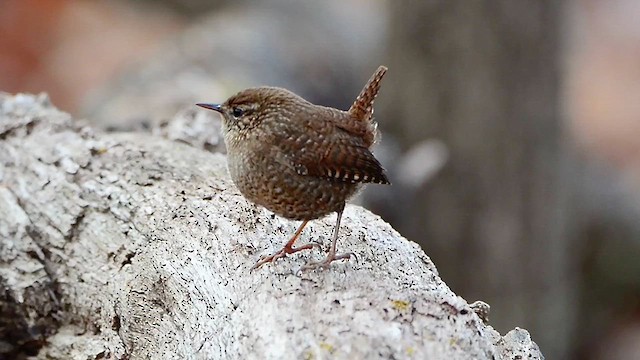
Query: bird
(300, 160)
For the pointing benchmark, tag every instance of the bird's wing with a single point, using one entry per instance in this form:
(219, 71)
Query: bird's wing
(326, 149)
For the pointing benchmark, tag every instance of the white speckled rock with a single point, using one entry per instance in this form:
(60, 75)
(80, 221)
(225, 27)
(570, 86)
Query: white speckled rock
(129, 244)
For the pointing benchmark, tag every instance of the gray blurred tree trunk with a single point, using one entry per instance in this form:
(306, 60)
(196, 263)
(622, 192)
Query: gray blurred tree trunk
(483, 76)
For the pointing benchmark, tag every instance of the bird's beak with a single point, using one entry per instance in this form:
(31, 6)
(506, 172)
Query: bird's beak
(214, 107)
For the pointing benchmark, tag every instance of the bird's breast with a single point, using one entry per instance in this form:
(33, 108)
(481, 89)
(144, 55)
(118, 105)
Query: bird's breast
(267, 179)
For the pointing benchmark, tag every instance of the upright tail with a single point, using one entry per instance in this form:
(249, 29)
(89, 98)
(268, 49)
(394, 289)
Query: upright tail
(362, 108)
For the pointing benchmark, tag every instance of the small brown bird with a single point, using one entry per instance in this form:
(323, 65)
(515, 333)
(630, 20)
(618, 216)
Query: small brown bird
(301, 161)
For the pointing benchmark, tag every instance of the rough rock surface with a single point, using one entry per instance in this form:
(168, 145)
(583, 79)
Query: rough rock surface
(134, 246)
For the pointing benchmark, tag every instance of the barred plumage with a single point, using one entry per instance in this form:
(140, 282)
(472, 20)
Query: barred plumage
(300, 160)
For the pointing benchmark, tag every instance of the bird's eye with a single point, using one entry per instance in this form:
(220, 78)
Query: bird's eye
(237, 112)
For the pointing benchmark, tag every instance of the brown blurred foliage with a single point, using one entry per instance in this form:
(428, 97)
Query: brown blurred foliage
(71, 47)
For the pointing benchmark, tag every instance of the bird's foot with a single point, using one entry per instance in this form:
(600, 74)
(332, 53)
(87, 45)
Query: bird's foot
(324, 264)
(282, 253)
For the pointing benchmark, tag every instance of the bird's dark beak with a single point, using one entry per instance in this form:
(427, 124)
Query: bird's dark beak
(214, 107)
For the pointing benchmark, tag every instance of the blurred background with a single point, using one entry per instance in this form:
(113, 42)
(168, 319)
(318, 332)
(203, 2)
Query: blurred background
(511, 128)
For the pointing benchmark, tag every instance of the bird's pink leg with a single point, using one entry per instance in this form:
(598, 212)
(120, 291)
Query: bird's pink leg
(286, 249)
(331, 255)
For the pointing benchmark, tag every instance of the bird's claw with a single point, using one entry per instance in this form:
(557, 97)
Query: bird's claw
(324, 264)
(282, 253)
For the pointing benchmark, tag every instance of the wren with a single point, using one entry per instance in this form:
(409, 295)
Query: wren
(299, 160)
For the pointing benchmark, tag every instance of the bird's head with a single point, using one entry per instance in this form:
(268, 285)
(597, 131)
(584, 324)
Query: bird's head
(250, 107)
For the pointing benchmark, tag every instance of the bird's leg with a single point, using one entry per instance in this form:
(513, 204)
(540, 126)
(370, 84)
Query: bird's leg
(286, 249)
(331, 255)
